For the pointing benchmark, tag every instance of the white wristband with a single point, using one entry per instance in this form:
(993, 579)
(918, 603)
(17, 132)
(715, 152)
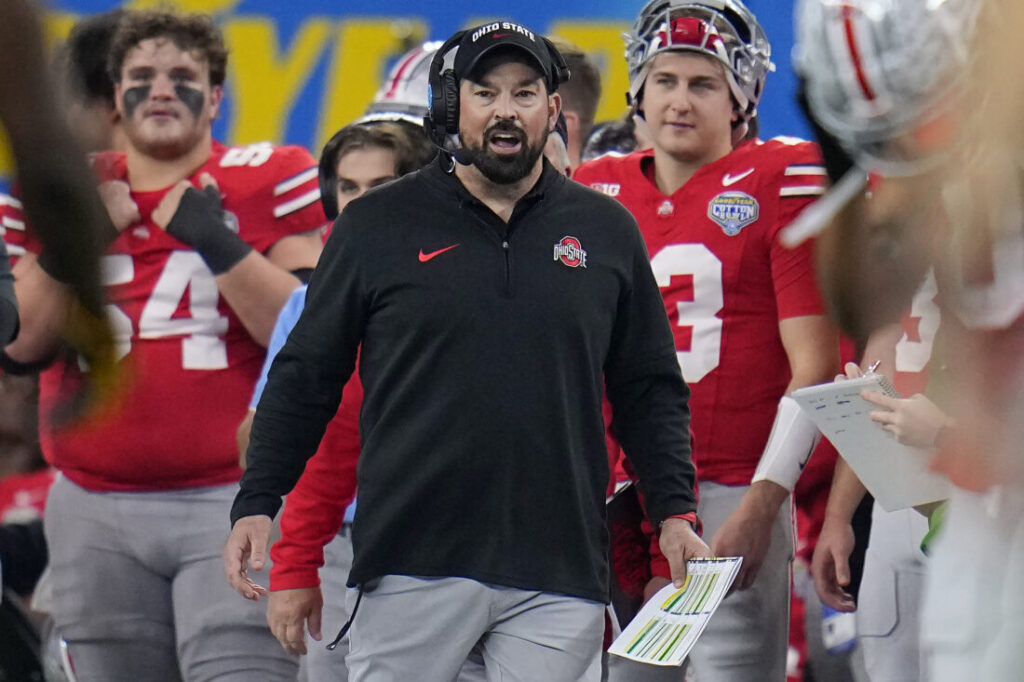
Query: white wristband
(794, 437)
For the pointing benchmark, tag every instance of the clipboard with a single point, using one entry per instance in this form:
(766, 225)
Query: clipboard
(897, 475)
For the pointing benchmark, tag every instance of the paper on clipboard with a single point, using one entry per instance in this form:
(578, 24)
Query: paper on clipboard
(896, 475)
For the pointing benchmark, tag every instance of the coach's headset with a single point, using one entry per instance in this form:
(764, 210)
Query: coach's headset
(442, 121)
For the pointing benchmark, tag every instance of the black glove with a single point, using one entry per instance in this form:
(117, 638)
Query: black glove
(199, 222)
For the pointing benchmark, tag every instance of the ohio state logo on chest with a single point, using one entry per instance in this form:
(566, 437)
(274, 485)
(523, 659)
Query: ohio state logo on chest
(569, 251)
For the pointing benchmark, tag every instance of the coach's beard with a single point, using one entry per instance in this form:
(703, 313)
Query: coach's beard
(502, 169)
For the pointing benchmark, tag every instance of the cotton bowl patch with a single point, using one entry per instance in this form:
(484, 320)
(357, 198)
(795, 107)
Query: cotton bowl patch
(733, 211)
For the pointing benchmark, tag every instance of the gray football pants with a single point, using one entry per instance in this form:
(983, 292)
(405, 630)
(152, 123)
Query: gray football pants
(139, 591)
(891, 592)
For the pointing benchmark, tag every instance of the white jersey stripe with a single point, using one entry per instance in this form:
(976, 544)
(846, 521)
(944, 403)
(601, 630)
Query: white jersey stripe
(12, 224)
(293, 182)
(802, 191)
(8, 200)
(15, 250)
(294, 205)
(805, 170)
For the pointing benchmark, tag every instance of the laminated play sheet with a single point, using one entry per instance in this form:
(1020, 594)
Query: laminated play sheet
(667, 627)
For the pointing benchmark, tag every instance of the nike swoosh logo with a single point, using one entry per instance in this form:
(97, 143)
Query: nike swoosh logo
(500, 35)
(424, 257)
(728, 179)
(807, 459)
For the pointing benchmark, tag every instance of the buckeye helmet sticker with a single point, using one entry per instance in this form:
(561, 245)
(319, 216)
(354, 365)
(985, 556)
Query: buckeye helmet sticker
(569, 251)
(733, 211)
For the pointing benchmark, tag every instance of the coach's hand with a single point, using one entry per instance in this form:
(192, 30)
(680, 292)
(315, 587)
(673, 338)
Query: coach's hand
(289, 612)
(247, 546)
(680, 543)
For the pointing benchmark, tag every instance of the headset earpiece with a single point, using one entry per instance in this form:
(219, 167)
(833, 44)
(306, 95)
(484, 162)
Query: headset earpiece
(443, 118)
(450, 91)
(561, 69)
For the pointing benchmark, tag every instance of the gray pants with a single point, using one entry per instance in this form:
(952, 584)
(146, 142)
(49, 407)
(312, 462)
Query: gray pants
(889, 605)
(748, 637)
(409, 628)
(139, 590)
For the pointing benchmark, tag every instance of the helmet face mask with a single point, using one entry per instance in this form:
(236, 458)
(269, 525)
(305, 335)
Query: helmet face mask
(723, 29)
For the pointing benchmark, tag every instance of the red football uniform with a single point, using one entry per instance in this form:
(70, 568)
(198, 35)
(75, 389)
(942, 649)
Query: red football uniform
(189, 363)
(914, 349)
(23, 496)
(12, 226)
(726, 281)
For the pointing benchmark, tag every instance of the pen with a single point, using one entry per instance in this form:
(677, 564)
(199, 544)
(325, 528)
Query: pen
(873, 367)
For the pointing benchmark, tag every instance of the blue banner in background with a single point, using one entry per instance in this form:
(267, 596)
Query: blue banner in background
(300, 70)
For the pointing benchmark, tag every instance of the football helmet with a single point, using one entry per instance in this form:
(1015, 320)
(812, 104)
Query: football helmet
(404, 95)
(723, 29)
(878, 70)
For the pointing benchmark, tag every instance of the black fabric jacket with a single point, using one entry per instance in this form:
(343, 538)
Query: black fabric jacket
(483, 452)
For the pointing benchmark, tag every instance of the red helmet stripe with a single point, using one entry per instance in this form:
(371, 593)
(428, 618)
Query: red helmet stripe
(851, 43)
(412, 57)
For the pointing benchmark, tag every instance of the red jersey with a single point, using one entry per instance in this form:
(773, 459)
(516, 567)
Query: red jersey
(23, 496)
(727, 282)
(919, 326)
(12, 226)
(189, 363)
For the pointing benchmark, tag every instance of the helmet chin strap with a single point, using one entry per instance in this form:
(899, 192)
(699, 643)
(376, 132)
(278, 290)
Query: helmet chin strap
(739, 132)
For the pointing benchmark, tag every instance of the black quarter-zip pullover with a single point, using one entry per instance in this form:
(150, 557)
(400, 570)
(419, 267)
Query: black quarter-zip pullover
(485, 349)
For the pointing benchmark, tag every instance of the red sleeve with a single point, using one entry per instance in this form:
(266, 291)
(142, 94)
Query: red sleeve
(296, 193)
(273, 192)
(314, 510)
(13, 230)
(801, 182)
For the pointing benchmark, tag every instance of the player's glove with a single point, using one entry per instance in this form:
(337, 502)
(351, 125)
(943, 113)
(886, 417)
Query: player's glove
(199, 222)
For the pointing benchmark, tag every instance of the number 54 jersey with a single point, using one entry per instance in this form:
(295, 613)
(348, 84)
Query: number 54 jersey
(727, 282)
(188, 363)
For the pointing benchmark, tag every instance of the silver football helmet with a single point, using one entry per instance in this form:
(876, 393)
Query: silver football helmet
(404, 94)
(877, 70)
(723, 29)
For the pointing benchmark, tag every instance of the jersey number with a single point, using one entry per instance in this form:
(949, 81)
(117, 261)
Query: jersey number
(697, 313)
(254, 155)
(912, 355)
(202, 343)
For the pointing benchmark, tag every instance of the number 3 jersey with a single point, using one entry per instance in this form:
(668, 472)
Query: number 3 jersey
(188, 363)
(727, 282)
